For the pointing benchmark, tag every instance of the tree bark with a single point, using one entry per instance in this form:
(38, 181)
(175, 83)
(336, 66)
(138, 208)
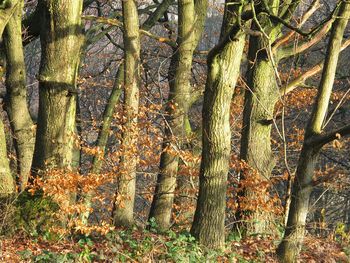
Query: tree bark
(16, 97)
(190, 26)
(290, 246)
(7, 9)
(224, 62)
(125, 196)
(259, 104)
(61, 41)
(7, 183)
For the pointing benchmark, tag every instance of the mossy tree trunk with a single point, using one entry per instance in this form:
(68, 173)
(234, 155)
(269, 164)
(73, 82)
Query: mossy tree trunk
(224, 62)
(261, 96)
(190, 26)
(7, 183)
(7, 8)
(16, 96)
(61, 41)
(314, 139)
(125, 196)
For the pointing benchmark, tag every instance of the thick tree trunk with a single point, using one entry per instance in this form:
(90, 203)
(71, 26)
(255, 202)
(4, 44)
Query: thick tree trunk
(259, 104)
(290, 246)
(125, 196)
(61, 41)
(16, 96)
(224, 63)
(190, 26)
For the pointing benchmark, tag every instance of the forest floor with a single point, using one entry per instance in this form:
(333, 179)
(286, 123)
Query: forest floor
(147, 246)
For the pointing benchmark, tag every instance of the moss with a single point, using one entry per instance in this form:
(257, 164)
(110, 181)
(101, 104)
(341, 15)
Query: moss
(33, 214)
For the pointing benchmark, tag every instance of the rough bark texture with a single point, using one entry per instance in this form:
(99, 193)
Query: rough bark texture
(259, 104)
(290, 246)
(60, 43)
(261, 97)
(16, 97)
(190, 26)
(125, 196)
(224, 67)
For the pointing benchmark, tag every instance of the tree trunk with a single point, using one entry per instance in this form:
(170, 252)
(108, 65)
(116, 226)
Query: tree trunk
(290, 246)
(177, 108)
(7, 8)
(259, 104)
(16, 97)
(125, 196)
(7, 183)
(61, 41)
(224, 62)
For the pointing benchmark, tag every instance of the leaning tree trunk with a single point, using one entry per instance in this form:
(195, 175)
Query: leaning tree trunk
(190, 26)
(303, 184)
(16, 96)
(224, 62)
(61, 41)
(125, 196)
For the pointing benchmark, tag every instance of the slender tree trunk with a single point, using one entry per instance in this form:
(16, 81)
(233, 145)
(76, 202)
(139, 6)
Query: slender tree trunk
(190, 26)
(61, 41)
(125, 196)
(224, 62)
(16, 96)
(113, 99)
(290, 246)
(7, 183)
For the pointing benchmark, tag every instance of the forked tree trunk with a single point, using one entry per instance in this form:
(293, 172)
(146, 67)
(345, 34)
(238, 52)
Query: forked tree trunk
(125, 196)
(290, 246)
(61, 41)
(16, 96)
(190, 26)
(224, 62)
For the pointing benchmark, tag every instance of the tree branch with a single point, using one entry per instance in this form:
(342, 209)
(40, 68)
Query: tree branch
(322, 139)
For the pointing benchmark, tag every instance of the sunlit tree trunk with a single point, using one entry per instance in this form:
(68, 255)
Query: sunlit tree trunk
(190, 26)
(314, 139)
(224, 62)
(61, 41)
(125, 196)
(7, 8)
(16, 96)
(113, 99)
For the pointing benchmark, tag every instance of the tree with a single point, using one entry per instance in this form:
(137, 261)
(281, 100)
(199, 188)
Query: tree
(7, 8)
(267, 47)
(16, 96)
(191, 18)
(125, 196)
(315, 138)
(223, 62)
(61, 41)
